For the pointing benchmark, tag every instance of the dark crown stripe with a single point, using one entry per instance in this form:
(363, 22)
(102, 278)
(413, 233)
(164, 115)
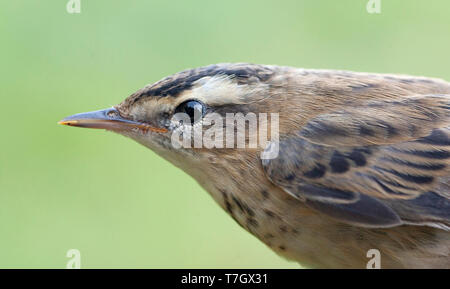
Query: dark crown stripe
(175, 84)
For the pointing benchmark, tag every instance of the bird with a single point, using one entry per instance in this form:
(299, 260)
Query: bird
(362, 163)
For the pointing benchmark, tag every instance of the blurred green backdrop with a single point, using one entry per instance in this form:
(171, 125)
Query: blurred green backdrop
(117, 202)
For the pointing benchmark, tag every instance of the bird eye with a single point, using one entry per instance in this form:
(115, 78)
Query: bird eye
(193, 108)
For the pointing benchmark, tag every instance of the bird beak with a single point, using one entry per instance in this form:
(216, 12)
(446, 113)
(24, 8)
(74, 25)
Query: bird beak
(108, 119)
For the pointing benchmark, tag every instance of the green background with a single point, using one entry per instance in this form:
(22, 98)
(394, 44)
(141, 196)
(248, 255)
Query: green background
(117, 202)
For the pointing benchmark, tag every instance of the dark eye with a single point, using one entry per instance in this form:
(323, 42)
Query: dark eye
(193, 108)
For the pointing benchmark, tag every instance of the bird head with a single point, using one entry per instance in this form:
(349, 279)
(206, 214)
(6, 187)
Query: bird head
(168, 115)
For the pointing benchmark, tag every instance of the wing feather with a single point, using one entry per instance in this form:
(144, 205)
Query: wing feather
(381, 165)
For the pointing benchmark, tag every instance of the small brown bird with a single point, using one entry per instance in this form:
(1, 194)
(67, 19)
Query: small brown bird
(363, 159)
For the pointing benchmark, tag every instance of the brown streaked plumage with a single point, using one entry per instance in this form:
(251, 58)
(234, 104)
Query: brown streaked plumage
(364, 159)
